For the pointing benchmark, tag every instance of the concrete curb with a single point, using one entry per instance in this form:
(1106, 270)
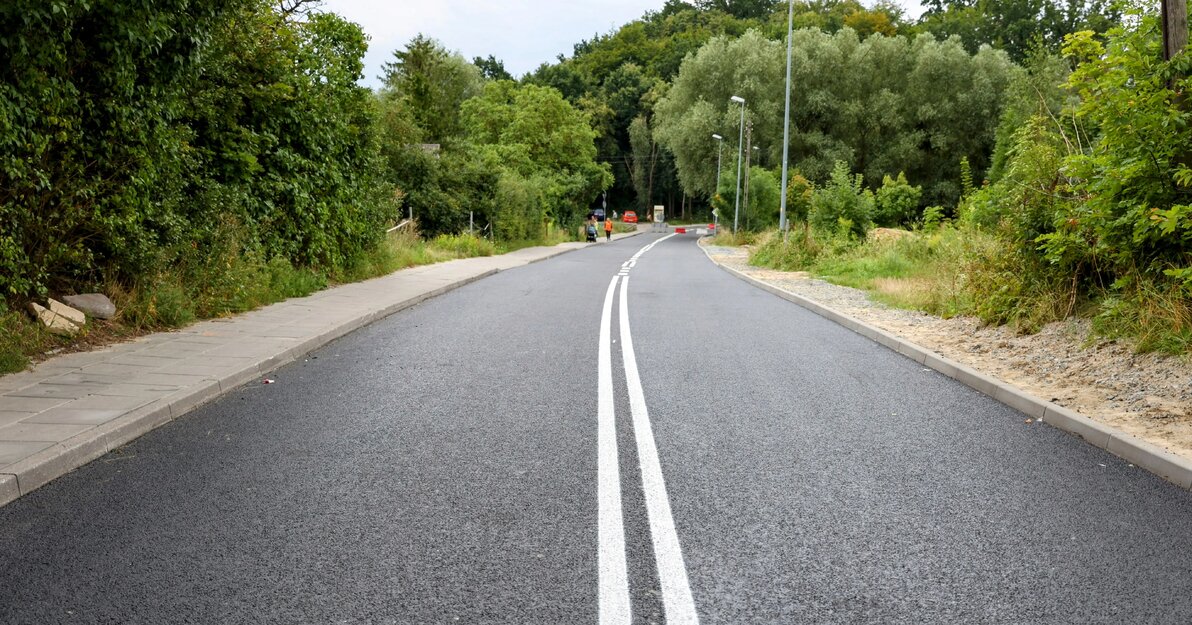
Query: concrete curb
(39, 469)
(1164, 464)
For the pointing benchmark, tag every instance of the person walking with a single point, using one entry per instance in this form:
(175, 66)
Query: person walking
(608, 229)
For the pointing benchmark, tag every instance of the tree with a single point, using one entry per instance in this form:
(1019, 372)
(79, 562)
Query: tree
(697, 104)
(641, 161)
(1016, 26)
(433, 82)
(492, 68)
(534, 132)
(743, 9)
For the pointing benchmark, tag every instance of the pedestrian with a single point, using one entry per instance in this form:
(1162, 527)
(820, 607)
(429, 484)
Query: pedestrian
(608, 229)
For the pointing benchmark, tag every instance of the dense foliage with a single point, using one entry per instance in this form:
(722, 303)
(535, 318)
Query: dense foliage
(140, 137)
(883, 105)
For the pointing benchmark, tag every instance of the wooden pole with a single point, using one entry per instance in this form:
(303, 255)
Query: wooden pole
(1175, 27)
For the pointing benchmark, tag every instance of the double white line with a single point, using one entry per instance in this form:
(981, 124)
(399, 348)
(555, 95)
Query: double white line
(672, 573)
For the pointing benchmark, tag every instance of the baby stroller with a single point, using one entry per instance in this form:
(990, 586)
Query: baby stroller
(591, 230)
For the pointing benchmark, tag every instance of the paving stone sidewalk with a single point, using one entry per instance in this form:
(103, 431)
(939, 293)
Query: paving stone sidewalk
(72, 409)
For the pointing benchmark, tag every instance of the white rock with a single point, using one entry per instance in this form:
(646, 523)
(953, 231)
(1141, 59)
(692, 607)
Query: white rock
(53, 321)
(75, 316)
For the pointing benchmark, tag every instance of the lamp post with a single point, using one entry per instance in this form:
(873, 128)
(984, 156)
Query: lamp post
(786, 119)
(740, 145)
(719, 148)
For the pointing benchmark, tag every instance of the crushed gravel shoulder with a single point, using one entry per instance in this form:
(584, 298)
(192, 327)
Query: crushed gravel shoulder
(1146, 395)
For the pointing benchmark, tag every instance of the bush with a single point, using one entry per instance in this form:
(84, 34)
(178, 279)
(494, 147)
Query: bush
(765, 193)
(799, 192)
(842, 204)
(897, 202)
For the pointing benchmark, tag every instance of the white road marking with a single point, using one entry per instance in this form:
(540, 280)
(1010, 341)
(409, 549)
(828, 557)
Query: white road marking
(672, 572)
(614, 577)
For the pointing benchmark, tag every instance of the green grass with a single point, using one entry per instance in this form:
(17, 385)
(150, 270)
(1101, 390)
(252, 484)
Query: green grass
(919, 271)
(19, 337)
(725, 238)
(966, 271)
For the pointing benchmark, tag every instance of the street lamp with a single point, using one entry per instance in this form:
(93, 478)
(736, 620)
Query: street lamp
(719, 145)
(740, 145)
(786, 119)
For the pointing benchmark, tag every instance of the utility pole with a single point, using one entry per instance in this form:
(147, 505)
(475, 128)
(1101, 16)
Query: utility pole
(786, 119)
(1175, 27)
(748, 154)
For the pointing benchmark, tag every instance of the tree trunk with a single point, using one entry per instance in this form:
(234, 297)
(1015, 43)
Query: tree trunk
(1175, 27)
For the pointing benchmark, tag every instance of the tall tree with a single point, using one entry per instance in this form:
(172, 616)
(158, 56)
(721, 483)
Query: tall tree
(533, 131)
(433, 82)
(744, 9)
(1017, 26)
(492, 68)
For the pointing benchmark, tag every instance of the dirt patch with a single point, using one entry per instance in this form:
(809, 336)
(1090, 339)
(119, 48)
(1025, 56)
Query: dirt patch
(889, 234)
(1146, 395)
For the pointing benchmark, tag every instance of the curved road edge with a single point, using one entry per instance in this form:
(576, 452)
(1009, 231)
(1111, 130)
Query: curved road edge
(1164, 464)
(140, 415)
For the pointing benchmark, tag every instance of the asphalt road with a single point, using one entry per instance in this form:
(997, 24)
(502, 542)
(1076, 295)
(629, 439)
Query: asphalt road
(443, 466)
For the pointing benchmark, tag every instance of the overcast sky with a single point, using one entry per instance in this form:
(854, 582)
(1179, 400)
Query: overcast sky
(522, 33)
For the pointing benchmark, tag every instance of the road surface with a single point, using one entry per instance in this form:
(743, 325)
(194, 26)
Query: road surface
(621, 434)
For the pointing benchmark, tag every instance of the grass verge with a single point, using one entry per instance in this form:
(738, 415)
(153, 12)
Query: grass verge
(952, 271)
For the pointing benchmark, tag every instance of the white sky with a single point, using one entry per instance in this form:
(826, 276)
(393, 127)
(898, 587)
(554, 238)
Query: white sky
(521, 33)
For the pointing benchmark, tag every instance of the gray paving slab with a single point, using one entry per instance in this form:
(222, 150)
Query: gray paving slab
(208, 365)
(114, 402)
(8, 417)
(141, 359)
(200, 335)
(183, 346)
(286, 332)
(78, 360)
(7, 385)
(257, 348)
(9, 403)
(124, 371)
(23, 379)
(170, 379)
(76, 416)
(78, 378)
(12, 451)
(44, 432)
(57, 391)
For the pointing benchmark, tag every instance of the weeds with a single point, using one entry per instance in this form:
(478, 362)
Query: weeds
(725, 238)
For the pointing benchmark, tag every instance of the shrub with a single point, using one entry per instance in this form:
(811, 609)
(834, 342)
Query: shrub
(897, 202)
(799, 191)
(761, 209)
(842, 204)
